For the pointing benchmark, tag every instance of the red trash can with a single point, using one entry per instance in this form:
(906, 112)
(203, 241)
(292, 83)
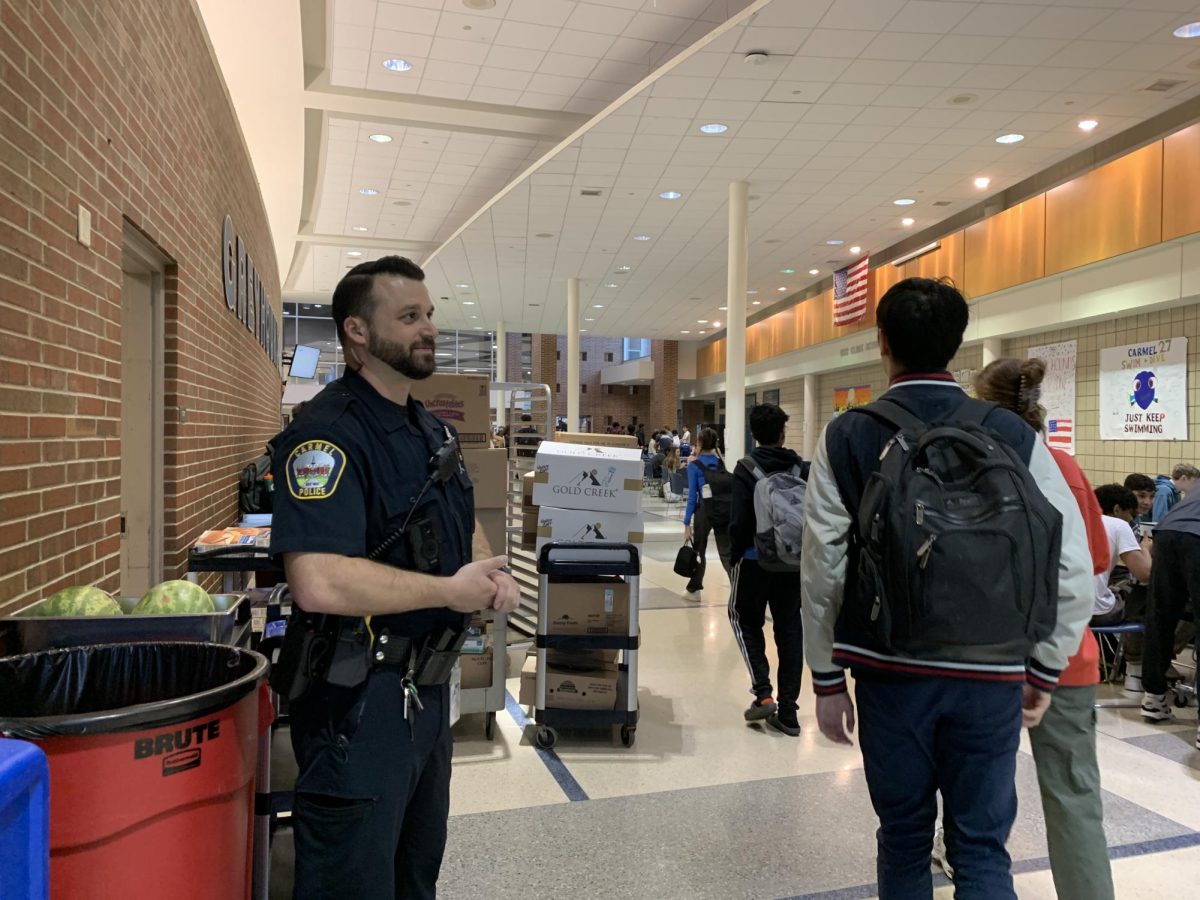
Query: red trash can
(152, 750)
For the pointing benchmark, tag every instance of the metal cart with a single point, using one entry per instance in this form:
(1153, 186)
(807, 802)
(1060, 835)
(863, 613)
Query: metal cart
(490, 700)
(587, 560)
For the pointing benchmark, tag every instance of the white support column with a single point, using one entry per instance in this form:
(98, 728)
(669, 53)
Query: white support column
(811, 432)
(501, 355)
(735, 333)
(572, 354)
(993, 349)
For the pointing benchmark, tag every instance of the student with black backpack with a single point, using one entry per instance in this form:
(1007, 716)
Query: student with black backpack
(945, 564)
(710, 487)
(766, 518)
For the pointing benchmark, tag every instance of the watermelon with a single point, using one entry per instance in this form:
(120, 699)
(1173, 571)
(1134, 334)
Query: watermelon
(174, 598)
(80, 601)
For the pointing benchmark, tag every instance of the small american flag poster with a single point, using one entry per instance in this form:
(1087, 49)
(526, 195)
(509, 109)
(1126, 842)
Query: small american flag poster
(1061, 434)
(850, 293)
(1058, 392)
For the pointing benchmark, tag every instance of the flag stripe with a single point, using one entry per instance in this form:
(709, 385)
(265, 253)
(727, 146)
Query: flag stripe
(850, 292)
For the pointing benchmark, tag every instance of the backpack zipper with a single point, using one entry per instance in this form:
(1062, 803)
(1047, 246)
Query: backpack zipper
(919, 514)
(926, 550)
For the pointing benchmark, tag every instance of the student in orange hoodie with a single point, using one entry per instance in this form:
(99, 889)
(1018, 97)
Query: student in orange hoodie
(1064, 744)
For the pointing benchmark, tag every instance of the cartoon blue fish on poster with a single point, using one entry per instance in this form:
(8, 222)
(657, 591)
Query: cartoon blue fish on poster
(1144, 386)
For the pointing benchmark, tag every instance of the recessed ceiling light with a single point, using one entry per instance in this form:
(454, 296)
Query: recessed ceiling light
(670, 195)
(835, 243)
(623, 268)
(354, 253)
(381, 138)
(781, 289)
(904, 201)
(814, 271)
(583, 331)
(757, 303)
(589, 320)
(478, 327)
(787, 271)
(751, 292)
(641, 237)
(359, 228)
(1190, 30)
(397, 65)
(982, 182)
(856, 249)
(401, 203)
(474, 317)
(479, 4)
(461, 285)
(907, 220)
(714, 128)
(368, 192)
(962, 99)
(685, 331)
(1088, 125)
(722, 308)
(597, 306)
(716, 324)
(701, 331)
(468, 303)
(611, 284)
(1013, 138)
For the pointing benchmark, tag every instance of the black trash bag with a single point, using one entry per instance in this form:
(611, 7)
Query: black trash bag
(121, 687)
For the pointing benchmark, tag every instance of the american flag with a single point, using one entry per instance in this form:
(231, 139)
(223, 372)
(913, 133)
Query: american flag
(850, 293)
(1060, 432)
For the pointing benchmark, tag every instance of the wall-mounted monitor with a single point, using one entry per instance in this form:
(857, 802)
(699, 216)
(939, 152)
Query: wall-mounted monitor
(304, 362)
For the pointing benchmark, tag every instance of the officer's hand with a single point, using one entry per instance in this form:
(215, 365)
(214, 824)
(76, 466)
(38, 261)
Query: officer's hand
(508, 593)
(471, 587)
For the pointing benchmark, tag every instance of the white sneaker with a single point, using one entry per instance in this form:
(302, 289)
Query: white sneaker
(1133, 686)
(1156, 708)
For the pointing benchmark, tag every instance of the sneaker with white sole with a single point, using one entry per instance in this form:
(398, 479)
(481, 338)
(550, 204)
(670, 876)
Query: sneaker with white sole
(1156, 708)
(1133, 680)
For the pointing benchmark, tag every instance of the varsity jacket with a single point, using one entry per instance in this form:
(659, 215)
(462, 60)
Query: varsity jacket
(846, 456)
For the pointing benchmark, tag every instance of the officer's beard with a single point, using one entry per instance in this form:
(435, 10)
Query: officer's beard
(405, 361)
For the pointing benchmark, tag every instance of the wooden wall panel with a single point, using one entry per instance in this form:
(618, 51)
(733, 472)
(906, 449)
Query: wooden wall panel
(1112, 210)
(1006, 249)
(883, 278)
(944, 262)
(1181, 183)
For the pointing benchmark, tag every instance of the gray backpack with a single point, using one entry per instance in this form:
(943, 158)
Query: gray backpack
(778, 516)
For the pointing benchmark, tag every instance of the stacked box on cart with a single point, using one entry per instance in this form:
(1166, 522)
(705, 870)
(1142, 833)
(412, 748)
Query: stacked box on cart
(571, 689)
(578, 476)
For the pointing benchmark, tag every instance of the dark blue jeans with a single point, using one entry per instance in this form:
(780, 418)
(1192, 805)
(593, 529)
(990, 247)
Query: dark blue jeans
(926, 735)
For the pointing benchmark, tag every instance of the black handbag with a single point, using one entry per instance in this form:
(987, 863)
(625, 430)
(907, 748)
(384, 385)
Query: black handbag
(687, 561)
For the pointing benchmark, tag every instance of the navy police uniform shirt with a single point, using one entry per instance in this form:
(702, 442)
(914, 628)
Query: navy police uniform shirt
(348, 471)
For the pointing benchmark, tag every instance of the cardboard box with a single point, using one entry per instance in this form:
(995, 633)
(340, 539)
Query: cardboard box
(578, 476)
(492, 523)
(460, 400)
(600, 607)
(529, 526)
(527, 488)
(476, 669)
(588, 526)
(596, 689)
(488, 470)
(596, 440)
(581, 660)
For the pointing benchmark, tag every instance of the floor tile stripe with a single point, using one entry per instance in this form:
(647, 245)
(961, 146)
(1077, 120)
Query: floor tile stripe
(1022, 866)
(558, 769)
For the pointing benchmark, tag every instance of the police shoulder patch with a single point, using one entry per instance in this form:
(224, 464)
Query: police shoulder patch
(314, 469)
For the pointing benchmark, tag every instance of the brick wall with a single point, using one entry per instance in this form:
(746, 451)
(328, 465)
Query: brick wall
(117, 105)
(664, 400)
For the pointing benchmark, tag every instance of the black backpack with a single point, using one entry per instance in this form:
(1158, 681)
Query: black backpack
(254, 491)
(957, 546)
(717, 505)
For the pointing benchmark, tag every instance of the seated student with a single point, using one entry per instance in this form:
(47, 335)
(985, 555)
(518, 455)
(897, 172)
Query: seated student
(1170, 491)
(1118, 505)
(1138, 592)
(1143, 488)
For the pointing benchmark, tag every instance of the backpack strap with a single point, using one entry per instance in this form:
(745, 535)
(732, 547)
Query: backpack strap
(753, 468)
(892, 413)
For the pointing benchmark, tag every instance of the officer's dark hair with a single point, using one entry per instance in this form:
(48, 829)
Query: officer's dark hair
(1110, 496)
(1139, 482)
(923, 320)
(355, 295)
(766, 423)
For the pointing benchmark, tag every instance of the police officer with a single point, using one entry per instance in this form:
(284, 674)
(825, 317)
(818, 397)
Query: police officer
(374, 520)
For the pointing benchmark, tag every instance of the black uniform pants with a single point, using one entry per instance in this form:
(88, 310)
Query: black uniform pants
(701, 529)
(1174, 581)
(753, 590)
(373, 793)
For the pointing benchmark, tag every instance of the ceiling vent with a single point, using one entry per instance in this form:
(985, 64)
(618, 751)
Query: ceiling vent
(589, 192)
(1163, 85)
(941, 202)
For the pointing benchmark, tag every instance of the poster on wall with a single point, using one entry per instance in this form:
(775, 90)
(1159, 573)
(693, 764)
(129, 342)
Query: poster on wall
(1143, 391)
(845, 398)
(1058, 392)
